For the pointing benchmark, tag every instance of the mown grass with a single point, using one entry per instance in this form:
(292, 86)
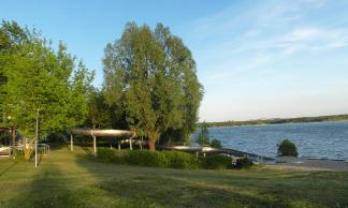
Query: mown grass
(66, 179)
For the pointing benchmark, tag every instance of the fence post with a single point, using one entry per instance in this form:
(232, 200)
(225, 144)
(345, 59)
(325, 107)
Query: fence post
(36, 135)
(95, 145)
(71, 143)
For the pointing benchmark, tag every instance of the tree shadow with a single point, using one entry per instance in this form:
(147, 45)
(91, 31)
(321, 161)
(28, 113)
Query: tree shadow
(48, 188)
(151, 187)
(8, 168)
(80, 180)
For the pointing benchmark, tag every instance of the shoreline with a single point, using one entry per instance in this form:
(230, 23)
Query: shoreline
(289, 163)
(277, 121)
(271, 124)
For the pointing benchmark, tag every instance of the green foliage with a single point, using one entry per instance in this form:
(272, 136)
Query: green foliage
(243, 163)
(216, 143)
(108, 155)
(164, 159)
(169, 159)
(150, 80)
(203, 136)
(18, 155)
(40, 79)
(287, 148)
(174, 137)
(216, 162)
(147, 158)
(181, 160)
(98, 111)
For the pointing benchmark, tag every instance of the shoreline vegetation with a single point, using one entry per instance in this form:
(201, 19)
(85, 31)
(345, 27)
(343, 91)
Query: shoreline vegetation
(277, 121)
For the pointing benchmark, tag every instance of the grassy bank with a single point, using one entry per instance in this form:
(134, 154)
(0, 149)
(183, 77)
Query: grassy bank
(67, 179)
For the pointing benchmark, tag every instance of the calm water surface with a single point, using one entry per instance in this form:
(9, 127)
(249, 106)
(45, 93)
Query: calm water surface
(314, 140)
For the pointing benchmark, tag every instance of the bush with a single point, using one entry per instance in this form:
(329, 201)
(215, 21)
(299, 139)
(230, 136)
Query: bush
(216, 143)
(147, 158)
(181, 160)
(165, 159)
(287, 148)
(106, 155)
(169, 159)
(216, 162)
(243, 163)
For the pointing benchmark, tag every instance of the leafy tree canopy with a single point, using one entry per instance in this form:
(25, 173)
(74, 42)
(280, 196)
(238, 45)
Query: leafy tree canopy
(40, 79)
(99, 113)
(150, 79)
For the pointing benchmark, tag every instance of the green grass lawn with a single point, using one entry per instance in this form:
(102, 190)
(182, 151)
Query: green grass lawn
(66, 179)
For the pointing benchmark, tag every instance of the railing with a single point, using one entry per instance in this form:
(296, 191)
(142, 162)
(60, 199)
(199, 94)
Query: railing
(43, 148)
(230, 152)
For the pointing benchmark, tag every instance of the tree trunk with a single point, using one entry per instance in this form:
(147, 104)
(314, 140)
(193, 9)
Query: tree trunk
(152, 145)
(153, 136)
(28, 151)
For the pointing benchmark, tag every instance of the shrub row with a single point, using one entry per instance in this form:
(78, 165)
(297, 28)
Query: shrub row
(169, 159)
(216, 162)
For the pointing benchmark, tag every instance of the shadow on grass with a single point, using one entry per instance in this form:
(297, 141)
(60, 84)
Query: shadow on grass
(8, 168)
(48, 188)
(158, 187)
(78, 180)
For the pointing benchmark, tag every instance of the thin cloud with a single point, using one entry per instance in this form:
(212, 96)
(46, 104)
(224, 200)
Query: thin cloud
(275, 29)
(259, 48)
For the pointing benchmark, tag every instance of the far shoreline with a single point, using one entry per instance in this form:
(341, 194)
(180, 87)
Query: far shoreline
(261, 122)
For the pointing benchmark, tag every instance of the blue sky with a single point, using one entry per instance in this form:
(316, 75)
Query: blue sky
(256, 59)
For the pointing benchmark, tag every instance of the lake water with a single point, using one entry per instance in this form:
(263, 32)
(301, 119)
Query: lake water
(314, 140)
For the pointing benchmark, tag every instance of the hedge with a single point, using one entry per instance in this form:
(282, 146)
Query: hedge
(168, 159)
(216, 162)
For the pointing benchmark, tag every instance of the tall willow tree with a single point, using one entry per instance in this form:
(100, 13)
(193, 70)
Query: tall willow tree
(150, 77)
(38, 79)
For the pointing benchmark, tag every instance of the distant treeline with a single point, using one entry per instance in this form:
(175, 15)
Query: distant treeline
(278, 121)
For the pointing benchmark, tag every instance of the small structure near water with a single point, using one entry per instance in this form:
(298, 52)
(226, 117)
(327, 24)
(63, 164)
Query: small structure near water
(94, 133)
(227, 151)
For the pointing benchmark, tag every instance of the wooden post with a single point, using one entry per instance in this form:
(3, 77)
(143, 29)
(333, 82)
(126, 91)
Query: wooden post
(71, 143)
(130, 144)
(95, 145)
(119, 144)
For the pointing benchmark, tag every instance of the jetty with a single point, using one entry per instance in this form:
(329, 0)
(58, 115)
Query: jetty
(228, 151)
